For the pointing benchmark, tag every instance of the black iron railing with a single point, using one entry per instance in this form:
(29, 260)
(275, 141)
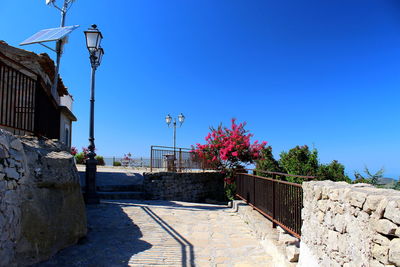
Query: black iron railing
(165, 158)
(280, 201)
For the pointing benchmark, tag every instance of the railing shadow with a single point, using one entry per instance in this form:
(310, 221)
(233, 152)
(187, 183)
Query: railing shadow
(112, 240)
(175, 235)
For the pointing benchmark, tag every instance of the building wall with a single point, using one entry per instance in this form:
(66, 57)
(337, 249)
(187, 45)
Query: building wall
(65, 130)
(349, 225)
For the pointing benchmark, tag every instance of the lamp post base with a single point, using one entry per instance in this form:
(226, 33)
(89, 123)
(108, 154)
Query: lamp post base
(91, 196)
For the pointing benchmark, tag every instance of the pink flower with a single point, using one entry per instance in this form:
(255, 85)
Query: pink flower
(235, 154)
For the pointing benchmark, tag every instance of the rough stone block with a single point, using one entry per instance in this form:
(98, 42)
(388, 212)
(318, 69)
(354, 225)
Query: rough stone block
(16, 144)
(3, 153)
(381, 240)
(380, 253)
(292, 253)
(394, 251)
(385, 227)
(357, 199)
(3, 141)
(397, 233)
(392, 212)
(375, 263)
(333, 238)
(12, 173)
(339, 223)
(287, 239)
(372, 202)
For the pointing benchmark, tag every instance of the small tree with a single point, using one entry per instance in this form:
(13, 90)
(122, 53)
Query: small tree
(333, 171)
(300, 160)
(267, 161)
(369, 178)
(228, 150)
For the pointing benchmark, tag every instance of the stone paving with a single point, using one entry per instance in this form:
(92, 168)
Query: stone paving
(163, 233)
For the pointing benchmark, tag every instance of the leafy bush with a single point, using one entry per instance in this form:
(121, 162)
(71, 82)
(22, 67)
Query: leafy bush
(333, 171)
(300, 160)
(117, 163)
(100, 160)
(267, 161)
(80, 158)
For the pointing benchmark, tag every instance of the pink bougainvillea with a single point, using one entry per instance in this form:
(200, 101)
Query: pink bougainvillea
(228, 149)
(74, 151)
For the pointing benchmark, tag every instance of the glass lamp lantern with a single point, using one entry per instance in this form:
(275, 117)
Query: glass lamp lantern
(168, 119)
(93, 38)
(181, 118)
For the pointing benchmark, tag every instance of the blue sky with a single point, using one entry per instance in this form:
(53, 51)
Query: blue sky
(322, 73)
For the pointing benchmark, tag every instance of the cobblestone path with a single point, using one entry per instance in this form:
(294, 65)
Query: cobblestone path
(163, 233)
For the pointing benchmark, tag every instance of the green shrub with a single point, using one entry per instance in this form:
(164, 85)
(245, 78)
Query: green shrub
(100, 160)
(299, 160)
(80, 158)
(117, 163)
(333, 171)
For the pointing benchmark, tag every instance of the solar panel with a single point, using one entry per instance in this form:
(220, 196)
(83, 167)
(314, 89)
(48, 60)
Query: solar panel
(49, 35)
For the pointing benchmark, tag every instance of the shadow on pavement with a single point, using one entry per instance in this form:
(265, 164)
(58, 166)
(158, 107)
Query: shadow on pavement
(112, 240)
(171, 205)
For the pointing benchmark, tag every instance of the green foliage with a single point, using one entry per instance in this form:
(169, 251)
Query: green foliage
(369, 178)
(397, 186)
(117, 163)
(333, 171)
(230, 190)
(100, 160)
(267, 161)
(300, 160)
(80, 158)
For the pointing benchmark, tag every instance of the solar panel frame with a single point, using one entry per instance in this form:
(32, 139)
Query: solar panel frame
(48, 35)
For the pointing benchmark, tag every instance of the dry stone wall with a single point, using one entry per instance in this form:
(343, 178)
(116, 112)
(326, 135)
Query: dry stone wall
(350, 225)
(41, 205)
(191, 187)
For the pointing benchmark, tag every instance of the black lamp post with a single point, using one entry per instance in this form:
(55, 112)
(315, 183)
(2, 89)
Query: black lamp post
(93, 40)
(168, 120)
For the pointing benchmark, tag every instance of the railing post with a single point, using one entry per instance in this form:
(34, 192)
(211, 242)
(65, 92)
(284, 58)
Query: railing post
(180, 159)
(151, 158)
(254, 191)
(273, 200)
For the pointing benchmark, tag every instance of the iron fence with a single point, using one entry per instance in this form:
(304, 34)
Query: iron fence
(180, 159)
(278, 200)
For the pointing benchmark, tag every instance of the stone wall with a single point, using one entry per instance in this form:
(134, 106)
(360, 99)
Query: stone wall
(191, 187)
(349, 225)
(41, 205)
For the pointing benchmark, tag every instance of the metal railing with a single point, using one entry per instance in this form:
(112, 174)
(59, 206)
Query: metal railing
(182, 159)
(280, 201)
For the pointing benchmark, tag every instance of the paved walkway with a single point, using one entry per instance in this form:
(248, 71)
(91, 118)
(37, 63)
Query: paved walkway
(164, 233)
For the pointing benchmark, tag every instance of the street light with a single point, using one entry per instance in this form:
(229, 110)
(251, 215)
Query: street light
(93, 41)
(168, 120)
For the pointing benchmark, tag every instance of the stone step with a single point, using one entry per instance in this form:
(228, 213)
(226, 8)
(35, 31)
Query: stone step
(120, 188)
(121, 195)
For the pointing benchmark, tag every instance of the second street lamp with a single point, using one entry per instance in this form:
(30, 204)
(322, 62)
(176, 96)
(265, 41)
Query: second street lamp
(168, 120)
(93, 40)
